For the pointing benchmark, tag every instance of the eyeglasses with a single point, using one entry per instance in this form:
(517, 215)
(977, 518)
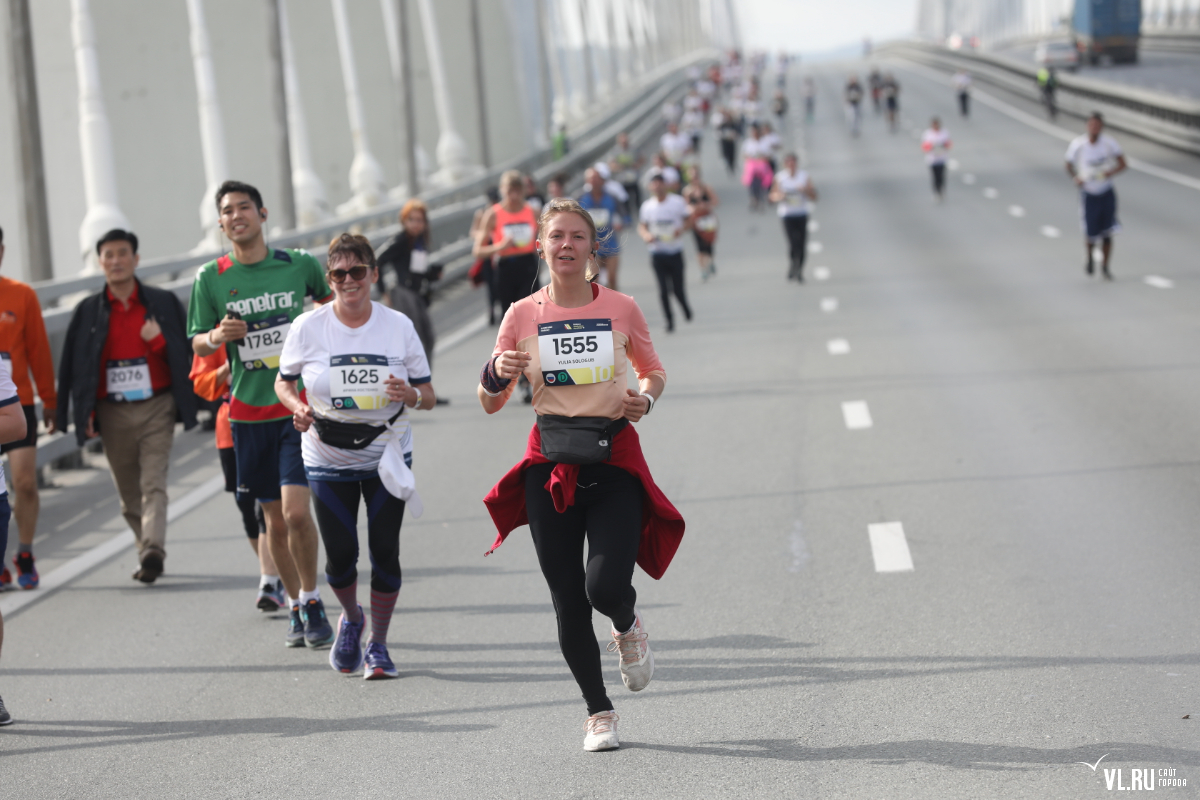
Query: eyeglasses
(357, 272)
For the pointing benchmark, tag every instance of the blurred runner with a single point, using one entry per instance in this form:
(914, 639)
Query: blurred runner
(793, 194)
(702, 202)
(810, 99)
(756, 169)
(962, 88)
(662, 220)
(728, 130)
(606, 216)
(1047, 80)
(23, 337)
(625, 163)
(935, 142)
(891, 101)
(407, 253)
(853, 95)
(1092, 161)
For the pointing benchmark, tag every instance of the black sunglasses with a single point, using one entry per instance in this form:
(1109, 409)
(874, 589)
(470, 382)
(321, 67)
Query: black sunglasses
(357, 272)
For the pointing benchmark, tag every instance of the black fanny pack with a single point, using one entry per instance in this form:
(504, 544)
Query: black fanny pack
(578, 440)
(350, 435)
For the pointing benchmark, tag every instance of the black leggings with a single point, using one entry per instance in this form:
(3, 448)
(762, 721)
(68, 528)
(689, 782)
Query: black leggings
(729, 153)
(252, 514)
(668, 268)
(939, 177)
(336, 507)
(796, 228)
(515, 277)
(608, 513)
(634, 203)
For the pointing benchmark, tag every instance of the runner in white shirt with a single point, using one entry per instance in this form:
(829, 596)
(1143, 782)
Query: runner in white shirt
(674, 144)
(1092, 161)
(12, 429)
(793, 194)
(935, 141)
(663, 219)
(363, 367)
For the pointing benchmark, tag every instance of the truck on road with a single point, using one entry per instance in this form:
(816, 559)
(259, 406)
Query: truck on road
(1107, 28)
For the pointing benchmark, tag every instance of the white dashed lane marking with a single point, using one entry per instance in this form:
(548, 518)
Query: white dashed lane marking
(821, 273)
(969, 179)
(1016, 211)
(990, 193)
(813, 226)
(829, 304)
(889, 548)
(1051, 232)
(952, 164)
(856, 414)
(1159, 282)
(838, 347)
(815, 247)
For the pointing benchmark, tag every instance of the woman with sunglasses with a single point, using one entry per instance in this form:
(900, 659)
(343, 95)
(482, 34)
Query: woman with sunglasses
(363, 367)
(583, 475)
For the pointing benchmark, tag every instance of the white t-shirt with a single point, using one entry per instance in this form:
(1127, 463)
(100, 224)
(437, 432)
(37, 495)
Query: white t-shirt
(665, 220)
(754, 148)
(675, 145)
(795, 202)
(692, 122)
(1093, 160)
(938, 142)
(962, 82)
(8, 396)
(344, 369)
(670, 176)
(771, 143)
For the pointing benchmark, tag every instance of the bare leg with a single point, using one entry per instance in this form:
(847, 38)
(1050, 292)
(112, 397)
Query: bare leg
(265, 561)
(23, 464)
(303, 541)
(278, 546)
(612, 264)
(1106, 250)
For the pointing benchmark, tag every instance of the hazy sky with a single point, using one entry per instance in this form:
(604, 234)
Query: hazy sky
(817, 25)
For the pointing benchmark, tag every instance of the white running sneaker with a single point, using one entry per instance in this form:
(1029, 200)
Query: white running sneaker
(637, 662)
(601, 732)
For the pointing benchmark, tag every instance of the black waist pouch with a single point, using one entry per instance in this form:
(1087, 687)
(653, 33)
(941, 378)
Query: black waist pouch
(350, 435)
(578, 440)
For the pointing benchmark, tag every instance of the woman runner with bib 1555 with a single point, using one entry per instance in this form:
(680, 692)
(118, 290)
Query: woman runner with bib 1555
(583, 475)
(363, 366)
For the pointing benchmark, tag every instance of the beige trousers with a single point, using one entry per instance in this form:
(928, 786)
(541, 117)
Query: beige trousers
(137, 440)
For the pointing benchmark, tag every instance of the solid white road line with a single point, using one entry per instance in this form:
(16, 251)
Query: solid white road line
(889, 548)
(990, 193)
(821, 273)
(1158, 282)
(459, 336)
(838, 347)
(1060, 133)
(1016, 211)
(1051, 232)
(829, 304)
(813, 226)
(815, 247)
(856, 414)
(105, 550)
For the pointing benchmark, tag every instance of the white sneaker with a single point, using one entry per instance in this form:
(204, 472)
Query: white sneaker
(637, 662)
(601, 732)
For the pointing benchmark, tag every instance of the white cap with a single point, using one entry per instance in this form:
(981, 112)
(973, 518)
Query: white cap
(602, 169)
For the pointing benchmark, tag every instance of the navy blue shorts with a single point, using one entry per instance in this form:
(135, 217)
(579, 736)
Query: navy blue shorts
(1100, 215)
(268, 456)
(5, 513)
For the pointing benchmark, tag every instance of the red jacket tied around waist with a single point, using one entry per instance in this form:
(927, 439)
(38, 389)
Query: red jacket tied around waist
(662, 524)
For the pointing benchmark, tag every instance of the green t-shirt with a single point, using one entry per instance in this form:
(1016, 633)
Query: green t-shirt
(268, 295)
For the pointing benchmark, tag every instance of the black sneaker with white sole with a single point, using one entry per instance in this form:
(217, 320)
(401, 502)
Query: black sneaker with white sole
(5, 717)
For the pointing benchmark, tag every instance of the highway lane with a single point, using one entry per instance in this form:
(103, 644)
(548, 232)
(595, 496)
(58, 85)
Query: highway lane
(1169, 73)
(1033, 433)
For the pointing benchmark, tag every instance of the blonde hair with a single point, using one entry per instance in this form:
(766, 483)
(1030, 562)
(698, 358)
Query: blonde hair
(512, 177)
(567, 205)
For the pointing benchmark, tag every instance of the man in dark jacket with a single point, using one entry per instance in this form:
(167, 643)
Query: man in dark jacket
(124, 369)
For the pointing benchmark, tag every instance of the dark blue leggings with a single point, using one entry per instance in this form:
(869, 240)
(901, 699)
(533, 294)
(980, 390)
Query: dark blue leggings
(336, 506)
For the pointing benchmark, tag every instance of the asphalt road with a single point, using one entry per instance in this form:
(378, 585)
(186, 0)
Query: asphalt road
(1033, 434)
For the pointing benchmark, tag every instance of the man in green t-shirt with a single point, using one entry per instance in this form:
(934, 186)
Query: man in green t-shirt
(246, 301)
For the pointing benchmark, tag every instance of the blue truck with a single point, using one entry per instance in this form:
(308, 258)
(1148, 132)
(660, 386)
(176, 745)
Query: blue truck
(1107, 28)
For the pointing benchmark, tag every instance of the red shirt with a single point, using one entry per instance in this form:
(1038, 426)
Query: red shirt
(124, 341)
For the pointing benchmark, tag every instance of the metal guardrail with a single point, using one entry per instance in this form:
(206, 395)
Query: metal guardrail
(451, 212)
(1167, 41)
(1173, 121)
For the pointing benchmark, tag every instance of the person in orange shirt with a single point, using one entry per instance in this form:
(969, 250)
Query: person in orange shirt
(23, 337)
(210, 379)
